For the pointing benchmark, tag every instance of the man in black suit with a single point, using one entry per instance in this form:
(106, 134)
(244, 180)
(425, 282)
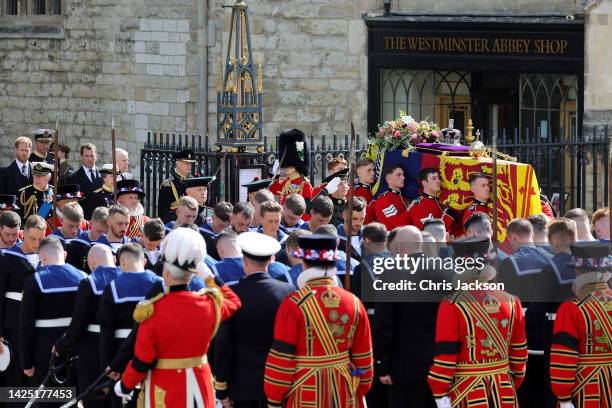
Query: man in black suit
(244, 340)
(404, 331)
(87, 177)
(19, 173)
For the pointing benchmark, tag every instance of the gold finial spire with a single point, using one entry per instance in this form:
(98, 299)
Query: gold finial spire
(219, 77)
(260, 75)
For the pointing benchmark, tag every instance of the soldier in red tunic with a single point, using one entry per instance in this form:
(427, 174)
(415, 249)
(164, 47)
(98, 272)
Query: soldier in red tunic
(481, 348)
(294, 161)
(129, 194)
(428, 206)
(176, 329)
(391, 208)
(322, 351)
(481, 191)
(581, 350)
(547, 208)
(333, 166)
(366, 175)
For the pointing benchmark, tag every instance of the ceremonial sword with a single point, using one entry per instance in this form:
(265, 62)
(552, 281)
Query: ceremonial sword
(349, 226)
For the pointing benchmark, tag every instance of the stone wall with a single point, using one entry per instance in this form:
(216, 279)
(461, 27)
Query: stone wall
(152, 65)
(598, 59)
(315, 62)
(131, 61)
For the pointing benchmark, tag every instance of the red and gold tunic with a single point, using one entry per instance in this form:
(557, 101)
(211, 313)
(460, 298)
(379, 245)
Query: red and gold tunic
(391, 209)
(171, 346)
(428, 206)
(285, 187)
(476, 206)
(581, 350)
(322, 351)
(481, 349)
(364, 191)
(135, 227)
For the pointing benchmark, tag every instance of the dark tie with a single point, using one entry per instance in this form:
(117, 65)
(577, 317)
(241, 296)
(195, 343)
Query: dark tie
(93, 176)
(24, 171)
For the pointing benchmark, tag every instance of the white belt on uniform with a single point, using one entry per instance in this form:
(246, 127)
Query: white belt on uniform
(93, 328)
(18, 296)
(48, 323)
(122, 333)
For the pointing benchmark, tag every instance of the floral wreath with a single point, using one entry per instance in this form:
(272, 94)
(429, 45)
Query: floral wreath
(405, 131)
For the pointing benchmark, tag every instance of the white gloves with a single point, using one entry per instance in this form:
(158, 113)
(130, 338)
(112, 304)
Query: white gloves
(119, 391)
(204, 271)
(333, 185)
(443, 402)
(275, 167)
(566, 405)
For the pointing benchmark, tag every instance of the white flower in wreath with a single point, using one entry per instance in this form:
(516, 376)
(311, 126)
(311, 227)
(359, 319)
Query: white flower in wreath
(299, 146)
(407, 119)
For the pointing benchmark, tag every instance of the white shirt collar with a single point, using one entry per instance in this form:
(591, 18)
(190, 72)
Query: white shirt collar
(21, 164)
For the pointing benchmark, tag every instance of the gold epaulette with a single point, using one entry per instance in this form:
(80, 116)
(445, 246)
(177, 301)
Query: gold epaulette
(167, 182)
(217, 297)
(144, 309)
(26, 187)
(98, 190)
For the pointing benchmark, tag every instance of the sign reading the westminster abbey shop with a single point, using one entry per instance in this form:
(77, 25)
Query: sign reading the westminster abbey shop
(514, 44)
(476, 45)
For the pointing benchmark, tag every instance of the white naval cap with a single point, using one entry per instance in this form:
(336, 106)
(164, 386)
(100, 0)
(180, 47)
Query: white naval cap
(257, 244)
(43, 134)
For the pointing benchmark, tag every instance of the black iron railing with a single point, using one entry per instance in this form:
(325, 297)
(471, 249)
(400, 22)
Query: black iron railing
(576, 171)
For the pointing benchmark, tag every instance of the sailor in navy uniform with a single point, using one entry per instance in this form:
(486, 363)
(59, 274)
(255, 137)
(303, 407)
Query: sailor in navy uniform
(78, 248)
(520, 270)
(46, 309)
(554, 284)
(254, 186)
(84, 330)
(243, 341)
(173, 187)
(119, 300)
(104, 196)
(37, 198)
(41, 153)
(153, 233)
(230, 268)
(72, 223)
(118, 223)
(18, 263)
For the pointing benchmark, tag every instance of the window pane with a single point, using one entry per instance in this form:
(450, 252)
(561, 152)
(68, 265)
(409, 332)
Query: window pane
(11, 7)
(57, 7)
(38, 6)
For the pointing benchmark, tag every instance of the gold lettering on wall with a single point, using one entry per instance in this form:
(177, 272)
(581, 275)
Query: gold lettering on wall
(475, 45)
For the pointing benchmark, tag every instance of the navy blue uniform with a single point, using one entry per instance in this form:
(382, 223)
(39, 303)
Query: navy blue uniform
(46, 310)
(83, 334)
(16, 268)
(115, 313)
